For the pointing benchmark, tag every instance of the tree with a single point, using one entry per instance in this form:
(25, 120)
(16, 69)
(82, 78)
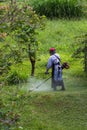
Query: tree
(13, 1)
(22, 23)
(81, 50)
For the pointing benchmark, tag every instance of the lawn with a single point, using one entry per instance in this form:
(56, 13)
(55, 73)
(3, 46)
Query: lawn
(49, 110)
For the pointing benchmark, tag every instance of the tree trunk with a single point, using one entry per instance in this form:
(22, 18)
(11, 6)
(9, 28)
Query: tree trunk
(33, 66)
(85, 57)
(13, 7)
(32, 59)
(13, 1)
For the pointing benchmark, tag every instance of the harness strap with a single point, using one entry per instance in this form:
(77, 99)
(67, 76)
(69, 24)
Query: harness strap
(58, 59)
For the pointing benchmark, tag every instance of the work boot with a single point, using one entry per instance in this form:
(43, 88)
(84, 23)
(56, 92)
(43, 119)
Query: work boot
(62, 89)
(54, 88)
(62, 84)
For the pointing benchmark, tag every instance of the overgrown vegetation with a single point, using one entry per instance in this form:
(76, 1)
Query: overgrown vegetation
(58, 8)
(31, 110)
(24, 42)
(21, 24)
(81, 50)
(59, 110)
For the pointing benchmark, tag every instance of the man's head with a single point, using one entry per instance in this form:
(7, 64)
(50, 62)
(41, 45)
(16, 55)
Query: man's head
(52, 51)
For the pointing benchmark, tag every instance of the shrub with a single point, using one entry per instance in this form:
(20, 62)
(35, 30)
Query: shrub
(58, 8)
(81, 50)
(15, 78)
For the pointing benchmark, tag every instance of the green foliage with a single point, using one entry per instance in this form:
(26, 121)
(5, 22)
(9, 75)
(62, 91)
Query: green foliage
(58, 33)
(46, 110)
(10, 54)
(81, 50)
(2, 0)
(15, 77)
(62, 34)
(58, 8)
(8, 117)
(20, 23)
(23, 24)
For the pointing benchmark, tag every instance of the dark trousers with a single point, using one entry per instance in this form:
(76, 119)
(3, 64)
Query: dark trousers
(54, 84)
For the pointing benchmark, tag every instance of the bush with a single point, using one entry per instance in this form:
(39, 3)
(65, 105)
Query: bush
(57, 8)
(15, 78)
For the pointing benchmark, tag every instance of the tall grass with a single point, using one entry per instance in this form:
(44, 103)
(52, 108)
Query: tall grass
(58, 8)
(59, 34)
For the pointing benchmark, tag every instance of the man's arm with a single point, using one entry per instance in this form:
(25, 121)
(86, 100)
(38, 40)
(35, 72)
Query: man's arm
(49, 65)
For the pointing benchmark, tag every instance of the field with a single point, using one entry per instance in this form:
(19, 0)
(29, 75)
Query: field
(42, 108)
(48, 110)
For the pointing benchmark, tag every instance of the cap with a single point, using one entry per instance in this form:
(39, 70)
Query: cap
(52, 49)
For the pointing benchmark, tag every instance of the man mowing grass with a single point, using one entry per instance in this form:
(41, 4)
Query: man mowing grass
(54, 63)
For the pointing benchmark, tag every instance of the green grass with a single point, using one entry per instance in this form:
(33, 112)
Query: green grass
(61, 34)
(50, 110)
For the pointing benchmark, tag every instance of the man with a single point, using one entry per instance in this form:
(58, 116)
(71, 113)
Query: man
(54, 63)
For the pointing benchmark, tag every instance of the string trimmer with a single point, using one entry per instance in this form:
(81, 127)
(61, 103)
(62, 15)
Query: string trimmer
(40, 84)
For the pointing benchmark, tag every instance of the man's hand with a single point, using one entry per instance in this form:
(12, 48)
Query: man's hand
(46, 72)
